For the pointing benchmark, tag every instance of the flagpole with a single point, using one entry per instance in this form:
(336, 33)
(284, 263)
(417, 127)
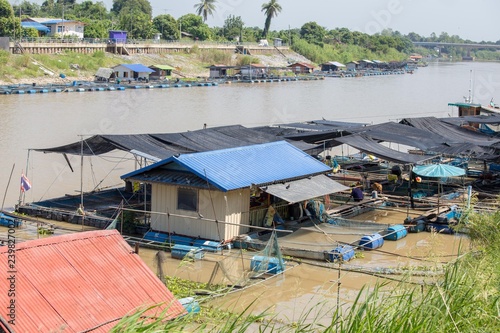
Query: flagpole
(81, 182)
(6, 188)
(21, 192)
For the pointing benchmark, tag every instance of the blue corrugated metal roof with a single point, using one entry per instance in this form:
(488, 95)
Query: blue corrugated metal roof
(138, 68)
(36, 25)
(234, 168)
(56, 21)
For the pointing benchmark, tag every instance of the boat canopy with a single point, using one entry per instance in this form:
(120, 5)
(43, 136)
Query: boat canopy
(402, 134)
(104, 72)
(370, 146)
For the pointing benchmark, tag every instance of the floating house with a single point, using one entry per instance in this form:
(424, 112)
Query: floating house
(379, 64)
(220, 194)
(220, 71)
(132, 71)
(352, 65)
(301, 68)
(366, 64)
(161, 71)
(57, 27)
(254, 70)
(80, 282)
(415, 57)
(332, 66)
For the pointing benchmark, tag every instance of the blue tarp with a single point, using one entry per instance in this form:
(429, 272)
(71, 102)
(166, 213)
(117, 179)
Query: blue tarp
(36, 25)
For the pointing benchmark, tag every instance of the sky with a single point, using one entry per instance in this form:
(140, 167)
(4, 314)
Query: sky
(476, 20)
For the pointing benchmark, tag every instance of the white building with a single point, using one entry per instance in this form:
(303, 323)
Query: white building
(132, 72)
(60, 27)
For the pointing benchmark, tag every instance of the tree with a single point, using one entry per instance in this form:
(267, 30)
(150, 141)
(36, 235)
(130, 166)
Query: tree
(137, 23)
(91, 10)
(233, 26)
(205, 8)
(27, 8)
(313, 33)
(167, 25)
(193, 24)
(8, 23)
(143, 6)
(30, 32)
(49, 8)
(270, 9)
(97, 28)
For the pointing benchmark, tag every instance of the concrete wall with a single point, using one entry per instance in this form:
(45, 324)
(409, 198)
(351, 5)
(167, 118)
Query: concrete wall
(4, 43)
(89, 46)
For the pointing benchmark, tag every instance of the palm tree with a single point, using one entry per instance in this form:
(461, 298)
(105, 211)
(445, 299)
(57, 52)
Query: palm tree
(270, 9)
(205, 8)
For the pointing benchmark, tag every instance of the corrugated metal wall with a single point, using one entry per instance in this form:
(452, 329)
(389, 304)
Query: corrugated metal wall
(237, 207)
(226, 207)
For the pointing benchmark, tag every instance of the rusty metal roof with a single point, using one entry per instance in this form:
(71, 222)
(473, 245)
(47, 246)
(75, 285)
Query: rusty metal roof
(80, 282)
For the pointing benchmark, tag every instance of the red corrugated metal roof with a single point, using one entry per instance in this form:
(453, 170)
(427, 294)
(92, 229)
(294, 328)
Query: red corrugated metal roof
(302, 64)
(80, 281)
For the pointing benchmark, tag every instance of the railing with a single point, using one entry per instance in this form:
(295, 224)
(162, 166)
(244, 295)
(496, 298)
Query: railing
(183, 42)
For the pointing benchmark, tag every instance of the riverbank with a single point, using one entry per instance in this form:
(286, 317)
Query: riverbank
(46, 69)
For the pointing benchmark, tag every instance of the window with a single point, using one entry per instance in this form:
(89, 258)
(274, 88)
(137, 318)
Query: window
(187, 199)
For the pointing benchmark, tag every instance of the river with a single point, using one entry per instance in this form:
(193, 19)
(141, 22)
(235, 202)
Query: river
(49, 120)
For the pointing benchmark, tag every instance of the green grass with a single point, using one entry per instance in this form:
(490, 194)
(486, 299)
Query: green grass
(14, 66)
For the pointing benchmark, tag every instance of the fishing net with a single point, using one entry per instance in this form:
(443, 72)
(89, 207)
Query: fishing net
(240, 267)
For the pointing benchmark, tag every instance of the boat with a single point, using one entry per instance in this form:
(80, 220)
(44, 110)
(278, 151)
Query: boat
(10, 221)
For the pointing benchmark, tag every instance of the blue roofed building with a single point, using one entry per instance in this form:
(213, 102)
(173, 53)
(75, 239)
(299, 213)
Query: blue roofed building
(191, 194)
(42, 29)
(57, 27)
(132, 72)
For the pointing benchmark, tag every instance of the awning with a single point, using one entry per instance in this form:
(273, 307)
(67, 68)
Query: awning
(35, 25)
(104, 72)
(304, 189)
(370, 146)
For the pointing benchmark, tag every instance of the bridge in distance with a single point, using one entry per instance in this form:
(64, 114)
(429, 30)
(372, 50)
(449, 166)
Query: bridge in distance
(462, 45)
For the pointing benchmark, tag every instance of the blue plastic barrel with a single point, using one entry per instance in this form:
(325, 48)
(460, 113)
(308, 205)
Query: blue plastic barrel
(396, 232)
(273, 264)
(371, 242)
(342, 252)
(190, 304)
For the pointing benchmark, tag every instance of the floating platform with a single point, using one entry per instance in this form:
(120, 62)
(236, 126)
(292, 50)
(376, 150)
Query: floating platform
(182, 251)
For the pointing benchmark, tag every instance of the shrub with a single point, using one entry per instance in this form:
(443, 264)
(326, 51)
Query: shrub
(4, 57)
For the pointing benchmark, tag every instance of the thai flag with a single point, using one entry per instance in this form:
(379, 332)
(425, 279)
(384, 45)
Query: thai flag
(25, 183)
